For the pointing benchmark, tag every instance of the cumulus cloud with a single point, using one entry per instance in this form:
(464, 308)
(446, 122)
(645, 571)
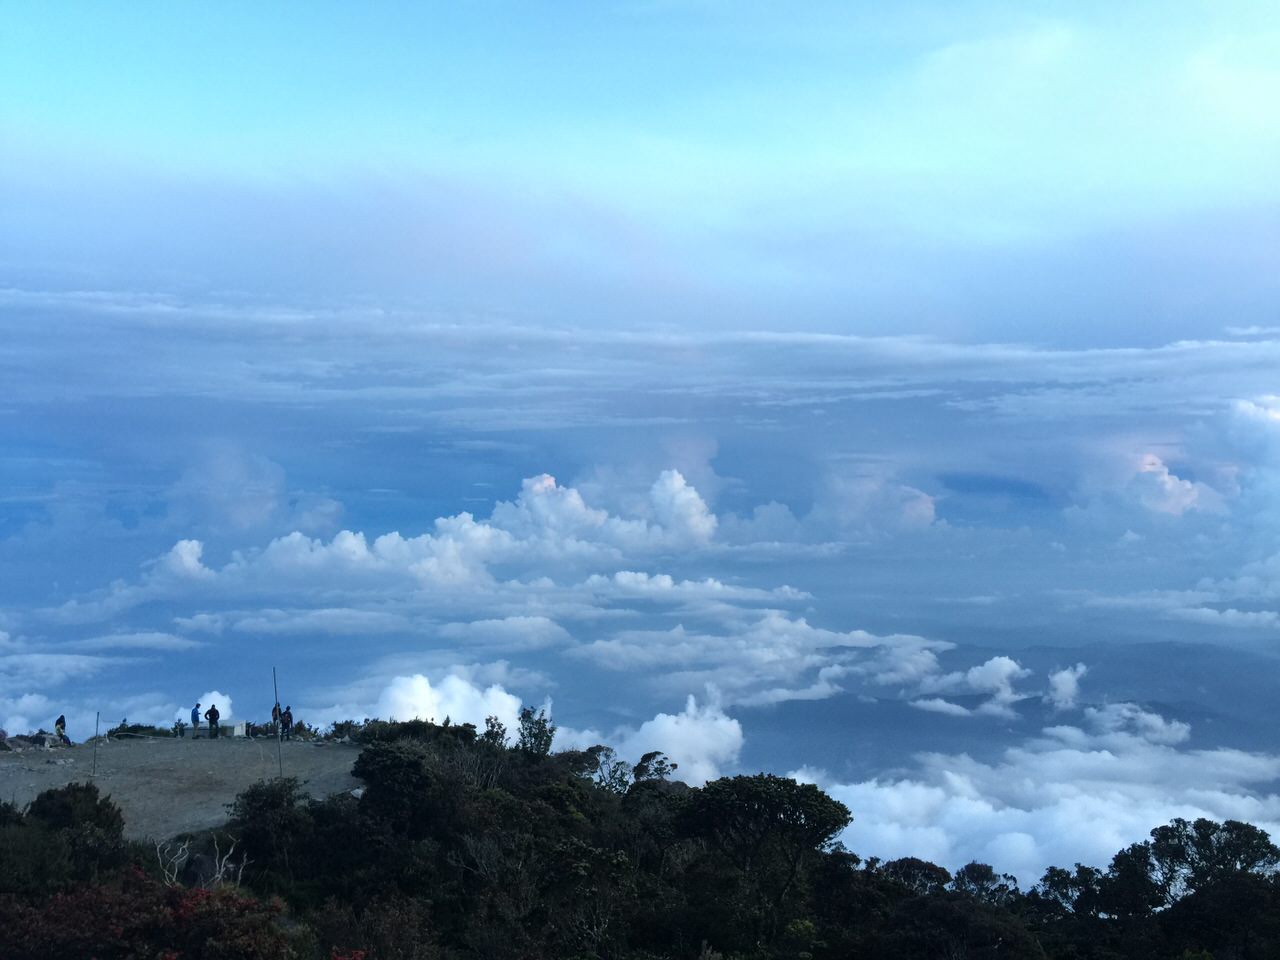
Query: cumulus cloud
(703, 740)
(995, 678)
(866, 503)
(1064, 686)
(226, 710)
(1126, 719)
(183, 560)
(26, 713)
(769, 658)
(1075, 793)
(680, 511)
(873, 501)
(1159, 490)
(546, 523)
(416, 698)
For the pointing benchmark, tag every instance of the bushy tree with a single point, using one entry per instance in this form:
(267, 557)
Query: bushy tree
(980, 881)
(75, 806)
(654, 765)
(536, 732)
(919, 876)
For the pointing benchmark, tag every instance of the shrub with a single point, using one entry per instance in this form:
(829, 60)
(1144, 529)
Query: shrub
(77, 805)
(142, 920)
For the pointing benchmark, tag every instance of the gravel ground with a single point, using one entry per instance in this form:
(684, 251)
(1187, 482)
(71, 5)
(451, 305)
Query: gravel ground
(166, 787)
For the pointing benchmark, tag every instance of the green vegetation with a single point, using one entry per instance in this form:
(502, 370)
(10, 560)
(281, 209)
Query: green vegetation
(463, 845)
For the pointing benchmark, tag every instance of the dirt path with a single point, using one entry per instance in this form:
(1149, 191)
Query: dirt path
(167, 787)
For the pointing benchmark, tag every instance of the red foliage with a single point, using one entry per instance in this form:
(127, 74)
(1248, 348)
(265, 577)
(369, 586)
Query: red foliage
(142, 920)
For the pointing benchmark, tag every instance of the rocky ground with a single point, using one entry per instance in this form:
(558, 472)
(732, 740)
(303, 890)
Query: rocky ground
(166, 787)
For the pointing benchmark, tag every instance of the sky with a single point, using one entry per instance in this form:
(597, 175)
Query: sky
(885, 397)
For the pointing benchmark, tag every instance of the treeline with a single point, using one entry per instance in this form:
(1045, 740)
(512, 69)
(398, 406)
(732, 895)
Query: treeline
(463, 845)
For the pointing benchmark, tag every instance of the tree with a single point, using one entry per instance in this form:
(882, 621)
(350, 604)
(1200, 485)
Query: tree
(536, 732)
(495, 732)
(654, 765)
(919, 876)
(1064, 891)
(1186, 857)
(980, 881)
(609, 773)
(765, 826)
(1130, 889)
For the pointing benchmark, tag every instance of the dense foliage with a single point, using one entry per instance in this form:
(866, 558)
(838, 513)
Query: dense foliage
(463, 846)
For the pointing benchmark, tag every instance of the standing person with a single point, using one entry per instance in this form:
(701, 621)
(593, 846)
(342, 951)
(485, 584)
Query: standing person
(195, 721)
(212, 715)
(286, 722)
(60, 728)
(275, 719)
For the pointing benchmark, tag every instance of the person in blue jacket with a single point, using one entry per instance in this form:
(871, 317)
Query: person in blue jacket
(195, 721)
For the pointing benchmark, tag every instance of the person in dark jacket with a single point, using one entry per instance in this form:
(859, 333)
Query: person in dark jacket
(212, 715)
(60, 728)
(286, 723)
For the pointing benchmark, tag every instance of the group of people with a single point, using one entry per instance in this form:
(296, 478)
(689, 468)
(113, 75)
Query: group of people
(281, 721)
(212, 715)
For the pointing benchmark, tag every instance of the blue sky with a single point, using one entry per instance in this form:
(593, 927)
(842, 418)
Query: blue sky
(886, 397)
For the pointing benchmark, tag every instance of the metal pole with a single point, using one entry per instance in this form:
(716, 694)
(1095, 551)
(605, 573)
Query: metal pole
(97, 717)
(275, 689)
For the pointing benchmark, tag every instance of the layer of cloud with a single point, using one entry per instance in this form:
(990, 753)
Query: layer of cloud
(1076, 793)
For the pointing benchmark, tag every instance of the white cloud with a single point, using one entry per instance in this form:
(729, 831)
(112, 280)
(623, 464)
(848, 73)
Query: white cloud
(703, 740)
(26, 713)
(516, 633)
(662, 586)
(869, 502)
(202, 623)
(184, 561)
(1073, 794)
(146, 640)
(1159, 490)
(226, 713)
(546, 523)
(25, 670)
(416, 698)
(680, 511)
(330, 620)
(1128, 718)
(767, 659)
(995, 678)
(938, 705)
(1064, 686)
(1229, 617)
